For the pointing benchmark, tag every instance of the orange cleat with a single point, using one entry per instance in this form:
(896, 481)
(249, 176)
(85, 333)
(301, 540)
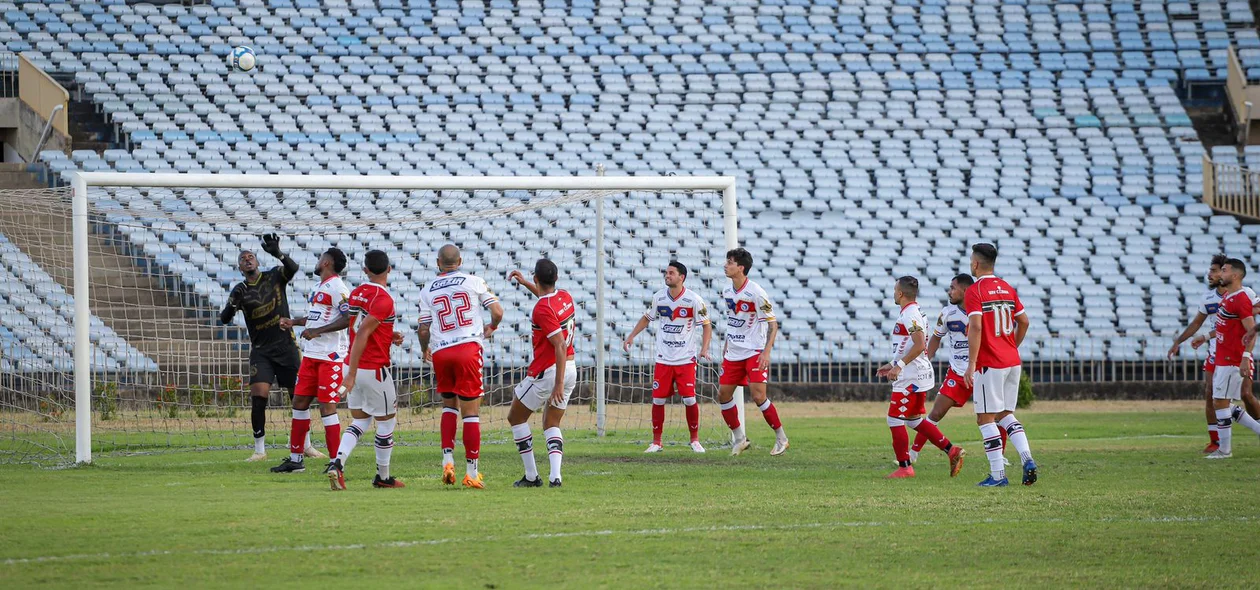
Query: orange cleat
(448, 474)
(1211, 448)
(956, 455)
(901, 473)
(474, 483)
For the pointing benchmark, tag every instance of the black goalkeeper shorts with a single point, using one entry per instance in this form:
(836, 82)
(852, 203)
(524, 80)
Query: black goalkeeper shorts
(280, 367)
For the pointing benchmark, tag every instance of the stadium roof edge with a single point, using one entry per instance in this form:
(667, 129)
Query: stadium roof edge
(365, 182)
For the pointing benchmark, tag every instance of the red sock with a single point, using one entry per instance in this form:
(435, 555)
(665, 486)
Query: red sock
(472, 437)
(730, 413)
(658, 422)
(297, 434)
(933, 433)
(771, 415)
(1002, 431)
(450, 418)
(693, 421)
(1214, 435)
(901, 444)
(332, 435)
(919, 440)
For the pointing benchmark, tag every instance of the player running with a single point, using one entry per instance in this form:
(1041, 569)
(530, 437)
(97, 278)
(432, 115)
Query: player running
(552, 374)
(750, 331)
(368, 380)
(451, 333)
(323, 359)
(996, 326)
(1235, 336)
(679, 310)
(1207, 308)
(951, 328)
(273, 351)
(910, 372)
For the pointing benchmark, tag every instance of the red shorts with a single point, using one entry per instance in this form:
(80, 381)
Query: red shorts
(665, 377)
(320, 379)
(458, 370)
(956, 389)
(1209, 364)
(743, 372)
(907, 403)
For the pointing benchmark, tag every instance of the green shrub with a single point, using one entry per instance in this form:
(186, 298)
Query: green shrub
(1026, 396)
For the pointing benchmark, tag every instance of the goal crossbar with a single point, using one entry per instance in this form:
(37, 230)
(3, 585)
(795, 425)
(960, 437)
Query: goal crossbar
(82, 182)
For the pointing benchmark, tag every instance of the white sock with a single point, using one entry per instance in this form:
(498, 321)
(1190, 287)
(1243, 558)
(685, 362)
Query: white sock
(555, 451)
(384, 445)
(1015, 434)
(1241, 417)
(260, 445)
(993, 449)
(1211, 428)
(525, 445)
(350, 439)
(448, 457)
(1224, 421)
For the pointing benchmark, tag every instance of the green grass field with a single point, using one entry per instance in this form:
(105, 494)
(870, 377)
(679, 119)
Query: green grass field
(1125, 499)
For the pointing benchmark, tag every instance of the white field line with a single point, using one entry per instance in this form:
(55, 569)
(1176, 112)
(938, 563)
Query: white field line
(580, 534)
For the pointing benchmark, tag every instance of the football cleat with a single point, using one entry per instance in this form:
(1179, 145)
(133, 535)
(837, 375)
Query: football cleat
(989, 482)
(696, 447)
(289, 466)
(256, 457)
(914, 456)
(336, 477)
(1211, 448)
(525, 482)
(313, 453)
(956, 455)
(901, 473)
(555, 483)
(654, 448)
(740, 447)
(390, 482)
(448, 474)
(1217, 454)
(1030, 472)
(474, 483)
(780, 447)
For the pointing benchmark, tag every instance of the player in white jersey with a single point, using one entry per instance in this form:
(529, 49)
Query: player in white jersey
(1208, 306)
(910, 372)
(750, 331)
(679, 311)
(951, 330)
(325, 346)
(451, 333)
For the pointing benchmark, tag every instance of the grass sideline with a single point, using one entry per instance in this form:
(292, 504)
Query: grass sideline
(1125, 499)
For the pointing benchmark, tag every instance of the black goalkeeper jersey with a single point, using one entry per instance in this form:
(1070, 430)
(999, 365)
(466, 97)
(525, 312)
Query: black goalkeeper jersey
(264, 303)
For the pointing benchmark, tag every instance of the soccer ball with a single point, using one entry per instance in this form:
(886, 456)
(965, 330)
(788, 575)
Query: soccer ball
(242, 58)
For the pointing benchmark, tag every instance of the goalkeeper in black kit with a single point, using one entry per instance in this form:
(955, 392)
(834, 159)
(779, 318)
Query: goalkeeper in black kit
(273, 353)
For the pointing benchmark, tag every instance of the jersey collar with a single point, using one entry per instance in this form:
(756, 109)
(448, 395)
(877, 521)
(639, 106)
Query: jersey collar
(325, 282)
(680, 294)
(985, 277)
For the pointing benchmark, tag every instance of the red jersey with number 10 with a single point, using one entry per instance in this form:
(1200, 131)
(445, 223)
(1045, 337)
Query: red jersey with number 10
(554, 313)
(1229, 328)
(376, 301)
(997, 304)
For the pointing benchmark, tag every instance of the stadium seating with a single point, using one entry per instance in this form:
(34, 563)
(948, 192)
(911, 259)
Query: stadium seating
(870, 139)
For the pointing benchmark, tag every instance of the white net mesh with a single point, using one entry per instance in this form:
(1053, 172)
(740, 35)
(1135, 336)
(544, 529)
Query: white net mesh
(167, 375)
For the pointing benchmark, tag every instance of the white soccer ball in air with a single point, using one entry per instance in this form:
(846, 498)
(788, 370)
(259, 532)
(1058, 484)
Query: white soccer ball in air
(242, 58)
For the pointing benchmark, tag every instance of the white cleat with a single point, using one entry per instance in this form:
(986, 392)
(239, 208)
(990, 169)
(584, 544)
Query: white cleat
(1217, 454)
(780, 447)
(654, 448)
(256, 457)
(914, 457)
(696, 447)
(313, 453)
(740, 447)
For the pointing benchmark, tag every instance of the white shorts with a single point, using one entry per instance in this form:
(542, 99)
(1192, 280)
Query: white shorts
(1227, 383)
(374, 393)
(996, 390)
(923, 382)
(535, 392)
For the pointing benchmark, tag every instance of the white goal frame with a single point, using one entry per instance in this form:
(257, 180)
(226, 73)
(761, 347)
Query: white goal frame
(82, 182)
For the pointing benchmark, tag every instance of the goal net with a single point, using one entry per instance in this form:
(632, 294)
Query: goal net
(160, 260)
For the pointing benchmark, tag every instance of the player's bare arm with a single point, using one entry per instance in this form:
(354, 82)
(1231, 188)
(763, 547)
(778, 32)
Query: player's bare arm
(1186, 334)
(706, 338)
(424, 334)
(520, 279)
(362, 336)
(918, 344)
(1021, 328)
(933, 344)
(638, 327)
(562, 359)
(496, 318)
(772, 330)
(1246, 367)
(975, 329)
(336, 325)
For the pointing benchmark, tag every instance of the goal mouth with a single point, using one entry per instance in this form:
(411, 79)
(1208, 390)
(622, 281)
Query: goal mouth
(156, 254)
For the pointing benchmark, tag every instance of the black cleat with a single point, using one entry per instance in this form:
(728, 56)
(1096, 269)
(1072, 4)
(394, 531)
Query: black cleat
(289, 466)
(390, 482)
(525, 482)
(555, 483)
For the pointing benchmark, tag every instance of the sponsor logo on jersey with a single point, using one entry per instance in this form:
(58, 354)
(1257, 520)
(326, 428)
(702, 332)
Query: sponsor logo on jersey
(740, 306)
(735, 323)
(957, 326)
(675, 313)
(672, 329)
(446, 282)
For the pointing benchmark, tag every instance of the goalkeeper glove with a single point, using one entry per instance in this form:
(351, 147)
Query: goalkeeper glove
(271, 244)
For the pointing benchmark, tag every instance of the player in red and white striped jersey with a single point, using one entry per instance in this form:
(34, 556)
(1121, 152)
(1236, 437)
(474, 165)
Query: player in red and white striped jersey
(451, 333)
(552, 374)
(369, 384)
(1235, 337)
(996, 325)
(750, 332)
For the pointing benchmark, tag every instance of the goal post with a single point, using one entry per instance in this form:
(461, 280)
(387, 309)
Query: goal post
(597, 189)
